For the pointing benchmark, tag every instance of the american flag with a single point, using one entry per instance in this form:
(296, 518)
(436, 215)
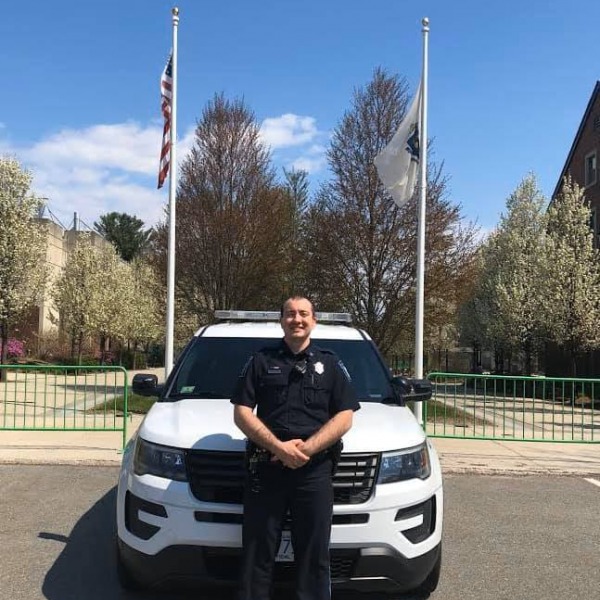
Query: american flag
(166, 95)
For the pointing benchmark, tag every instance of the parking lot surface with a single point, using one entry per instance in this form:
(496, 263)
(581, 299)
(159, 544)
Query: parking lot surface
(506, 537)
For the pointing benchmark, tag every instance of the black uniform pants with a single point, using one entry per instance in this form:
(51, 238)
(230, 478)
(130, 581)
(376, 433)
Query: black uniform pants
(307, 493)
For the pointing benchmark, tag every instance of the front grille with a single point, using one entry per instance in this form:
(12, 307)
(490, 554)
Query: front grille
(341, 566)
(216, 476)
(219, 477)
(355, 478)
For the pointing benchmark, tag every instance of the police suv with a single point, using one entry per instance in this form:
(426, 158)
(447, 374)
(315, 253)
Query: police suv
(179, 503)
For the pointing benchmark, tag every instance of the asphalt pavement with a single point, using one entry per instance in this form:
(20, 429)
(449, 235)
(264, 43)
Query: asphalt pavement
(505, 538)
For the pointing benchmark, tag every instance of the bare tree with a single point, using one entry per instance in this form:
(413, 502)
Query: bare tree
(231, 216)
(294, 271)
(362, 247)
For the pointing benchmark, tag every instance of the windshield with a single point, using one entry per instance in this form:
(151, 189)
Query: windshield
(211, 367)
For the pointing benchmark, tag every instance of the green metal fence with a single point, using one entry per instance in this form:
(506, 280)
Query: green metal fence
(500, 407)
(63, 398)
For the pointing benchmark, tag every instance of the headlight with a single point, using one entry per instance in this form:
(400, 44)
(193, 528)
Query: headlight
(163, 461)
(405, 464)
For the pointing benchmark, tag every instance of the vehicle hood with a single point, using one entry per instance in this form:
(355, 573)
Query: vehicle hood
(208, 425)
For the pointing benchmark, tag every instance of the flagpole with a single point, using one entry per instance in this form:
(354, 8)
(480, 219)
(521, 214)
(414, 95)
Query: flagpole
(420, 300)
(172, 190)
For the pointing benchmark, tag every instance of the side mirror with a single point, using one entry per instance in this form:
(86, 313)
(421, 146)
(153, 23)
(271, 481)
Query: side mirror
(417, 390)
(146, 384)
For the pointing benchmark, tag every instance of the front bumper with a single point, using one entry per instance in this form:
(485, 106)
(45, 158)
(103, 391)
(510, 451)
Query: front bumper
(390, 542)
(374, 569)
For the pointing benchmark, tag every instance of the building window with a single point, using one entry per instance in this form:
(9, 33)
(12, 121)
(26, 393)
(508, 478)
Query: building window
(590, 169)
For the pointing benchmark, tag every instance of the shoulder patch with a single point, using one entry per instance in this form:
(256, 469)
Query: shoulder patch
(342, 367)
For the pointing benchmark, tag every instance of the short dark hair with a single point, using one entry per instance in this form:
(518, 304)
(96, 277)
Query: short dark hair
(298, 297)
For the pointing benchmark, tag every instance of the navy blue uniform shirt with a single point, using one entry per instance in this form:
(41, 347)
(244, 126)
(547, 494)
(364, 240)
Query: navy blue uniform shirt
(295, 394)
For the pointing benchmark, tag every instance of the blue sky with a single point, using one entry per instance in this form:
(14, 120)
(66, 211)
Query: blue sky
(508, 84)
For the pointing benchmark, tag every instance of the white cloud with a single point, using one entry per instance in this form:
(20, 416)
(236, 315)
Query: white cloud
(99, 169)
(312, 160)
(288, 130)
(125, 146)
(113, 167)
(310, 164)
(295, 141)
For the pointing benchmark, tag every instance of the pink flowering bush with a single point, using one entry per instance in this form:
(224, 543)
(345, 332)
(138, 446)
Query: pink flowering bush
(15, 348)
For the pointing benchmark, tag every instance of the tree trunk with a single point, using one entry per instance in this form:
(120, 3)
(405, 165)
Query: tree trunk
(527, 348)
(73, 345)
(79, 347)
(102, 349)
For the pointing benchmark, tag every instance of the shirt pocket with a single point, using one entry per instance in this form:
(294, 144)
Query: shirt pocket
(316, 396)
(273, 388)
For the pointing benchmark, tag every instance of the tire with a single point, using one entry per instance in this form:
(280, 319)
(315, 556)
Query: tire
(431, 581)
(126, 579)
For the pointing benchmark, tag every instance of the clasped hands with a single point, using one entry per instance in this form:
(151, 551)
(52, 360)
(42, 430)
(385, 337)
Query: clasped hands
(293, 453)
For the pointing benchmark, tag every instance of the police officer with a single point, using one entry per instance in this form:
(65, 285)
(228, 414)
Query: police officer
(304, 405)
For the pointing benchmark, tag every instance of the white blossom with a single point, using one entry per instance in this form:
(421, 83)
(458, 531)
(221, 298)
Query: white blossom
(22, 242)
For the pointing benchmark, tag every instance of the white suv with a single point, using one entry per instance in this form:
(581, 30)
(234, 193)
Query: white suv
(179, 504)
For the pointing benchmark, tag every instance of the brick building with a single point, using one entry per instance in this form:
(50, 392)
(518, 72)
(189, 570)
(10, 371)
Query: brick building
(582, 166)
(582, 160)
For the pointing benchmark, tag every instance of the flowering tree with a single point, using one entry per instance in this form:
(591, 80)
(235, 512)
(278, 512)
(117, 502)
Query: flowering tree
(99, 295)
(91, 294)
(572, 288)
(142, 319)
(518, 264)
(22, 268)
(73, 293)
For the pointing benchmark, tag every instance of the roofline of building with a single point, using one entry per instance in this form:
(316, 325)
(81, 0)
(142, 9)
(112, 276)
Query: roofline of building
(577, 136)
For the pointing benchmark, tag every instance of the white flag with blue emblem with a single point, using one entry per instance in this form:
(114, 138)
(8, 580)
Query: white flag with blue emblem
(398, 163)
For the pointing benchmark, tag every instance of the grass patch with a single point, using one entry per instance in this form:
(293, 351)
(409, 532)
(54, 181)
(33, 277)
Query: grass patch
(439, 412)
(135, 404)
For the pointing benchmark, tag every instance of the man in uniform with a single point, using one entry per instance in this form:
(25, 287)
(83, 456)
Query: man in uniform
(304, 405)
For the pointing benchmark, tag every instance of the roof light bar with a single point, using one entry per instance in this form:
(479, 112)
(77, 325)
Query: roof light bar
(247, 315)
(272, 315)
(333, 317)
